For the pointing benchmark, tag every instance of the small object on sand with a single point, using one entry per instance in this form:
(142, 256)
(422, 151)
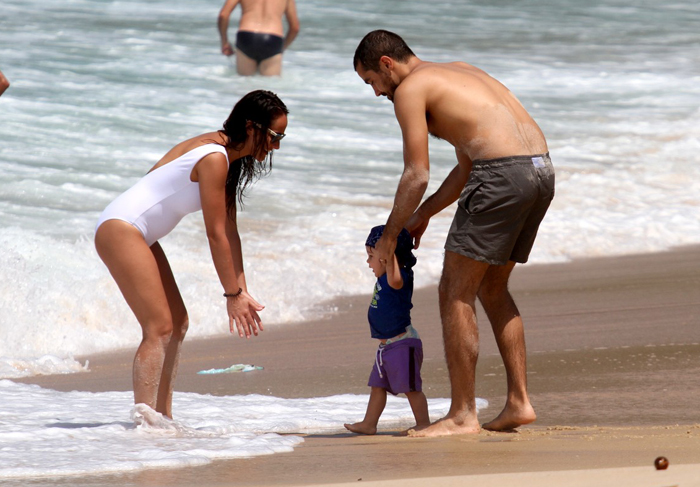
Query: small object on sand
(233, 368)
(661, 463)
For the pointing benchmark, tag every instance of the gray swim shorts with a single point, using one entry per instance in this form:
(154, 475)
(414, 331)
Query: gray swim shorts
(501, 207)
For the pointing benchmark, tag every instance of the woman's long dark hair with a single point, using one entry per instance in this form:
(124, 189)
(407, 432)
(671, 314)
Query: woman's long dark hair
(260, 107)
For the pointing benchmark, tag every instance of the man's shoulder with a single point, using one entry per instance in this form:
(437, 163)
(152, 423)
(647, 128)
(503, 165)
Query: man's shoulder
(429, 75)
(427, 68)
(419, 79)
(429, 78)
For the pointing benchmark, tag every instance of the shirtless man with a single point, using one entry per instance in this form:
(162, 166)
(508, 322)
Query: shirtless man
(259, 41)
(504, 182)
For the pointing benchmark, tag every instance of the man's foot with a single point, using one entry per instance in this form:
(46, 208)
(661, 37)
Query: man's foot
(414, 429)
(446, 427)
(511, 418)
(361, 428)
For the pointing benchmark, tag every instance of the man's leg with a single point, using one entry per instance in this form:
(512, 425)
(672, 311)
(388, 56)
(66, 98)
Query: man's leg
(245, 66)
(271, 66)
(461, 279)
(510, 336)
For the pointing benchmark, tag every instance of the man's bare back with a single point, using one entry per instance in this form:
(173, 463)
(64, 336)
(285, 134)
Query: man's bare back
(472, 111)
(263, 16)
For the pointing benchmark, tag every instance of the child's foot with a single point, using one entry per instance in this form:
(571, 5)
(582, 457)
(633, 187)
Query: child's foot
(361, 428)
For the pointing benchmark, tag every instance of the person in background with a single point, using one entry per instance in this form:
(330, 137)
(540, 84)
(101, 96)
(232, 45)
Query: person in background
(503, 182)
(209, 172)
(260, 40)
(4, 83)
(399, 358)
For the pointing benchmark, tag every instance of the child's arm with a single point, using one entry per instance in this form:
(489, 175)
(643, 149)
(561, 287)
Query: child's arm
(393, 273)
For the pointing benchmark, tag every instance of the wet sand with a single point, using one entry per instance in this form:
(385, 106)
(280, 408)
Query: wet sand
(614, 375)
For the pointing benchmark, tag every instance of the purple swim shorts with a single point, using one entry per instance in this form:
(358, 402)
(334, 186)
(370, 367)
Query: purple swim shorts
(397, 367)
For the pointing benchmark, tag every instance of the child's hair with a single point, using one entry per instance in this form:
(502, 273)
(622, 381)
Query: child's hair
(404, 245)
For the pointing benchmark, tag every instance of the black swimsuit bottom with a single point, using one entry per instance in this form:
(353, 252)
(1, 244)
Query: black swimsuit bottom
(259, 46)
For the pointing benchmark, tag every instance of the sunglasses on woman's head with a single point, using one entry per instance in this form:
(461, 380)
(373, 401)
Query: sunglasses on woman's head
(274, 136)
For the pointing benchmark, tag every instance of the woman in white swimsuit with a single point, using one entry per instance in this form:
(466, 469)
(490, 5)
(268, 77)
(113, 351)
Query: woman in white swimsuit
(208, 172)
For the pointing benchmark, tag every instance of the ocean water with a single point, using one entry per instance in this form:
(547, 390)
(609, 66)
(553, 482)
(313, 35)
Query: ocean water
(101, 89)
(45, 434)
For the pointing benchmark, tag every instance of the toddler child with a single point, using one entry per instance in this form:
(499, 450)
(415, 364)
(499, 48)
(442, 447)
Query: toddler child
(400, 355)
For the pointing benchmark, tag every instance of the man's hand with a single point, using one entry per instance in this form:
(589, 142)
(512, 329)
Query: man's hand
(385, 248)
(226, 49)
(416, 226)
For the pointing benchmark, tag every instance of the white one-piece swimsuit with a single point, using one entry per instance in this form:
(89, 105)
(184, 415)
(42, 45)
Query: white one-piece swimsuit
(158, 201)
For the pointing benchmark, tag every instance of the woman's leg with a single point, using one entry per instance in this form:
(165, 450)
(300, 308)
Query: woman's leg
(136, 270)
(180, 322)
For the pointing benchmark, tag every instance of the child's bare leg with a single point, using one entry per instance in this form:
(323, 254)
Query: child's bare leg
(368, 426)
(419, 406)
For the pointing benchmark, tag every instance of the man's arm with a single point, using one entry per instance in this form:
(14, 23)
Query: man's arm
(293, 21)
(447, 193)
(4, 83)
(410, 109)
(224, 16)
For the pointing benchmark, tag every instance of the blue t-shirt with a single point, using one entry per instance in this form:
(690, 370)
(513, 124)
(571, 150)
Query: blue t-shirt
(390, 310)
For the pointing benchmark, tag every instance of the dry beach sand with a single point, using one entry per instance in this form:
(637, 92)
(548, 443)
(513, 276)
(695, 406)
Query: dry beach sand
(614, 375)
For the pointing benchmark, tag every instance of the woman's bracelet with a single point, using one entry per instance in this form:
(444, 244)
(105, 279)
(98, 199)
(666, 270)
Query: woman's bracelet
(238, 293)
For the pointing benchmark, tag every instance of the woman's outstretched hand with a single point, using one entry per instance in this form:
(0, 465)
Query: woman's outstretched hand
(243, 315)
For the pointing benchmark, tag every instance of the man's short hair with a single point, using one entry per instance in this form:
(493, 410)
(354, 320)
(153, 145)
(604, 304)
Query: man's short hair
(380, 43)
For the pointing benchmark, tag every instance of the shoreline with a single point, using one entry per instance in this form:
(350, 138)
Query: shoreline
(613, 362)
